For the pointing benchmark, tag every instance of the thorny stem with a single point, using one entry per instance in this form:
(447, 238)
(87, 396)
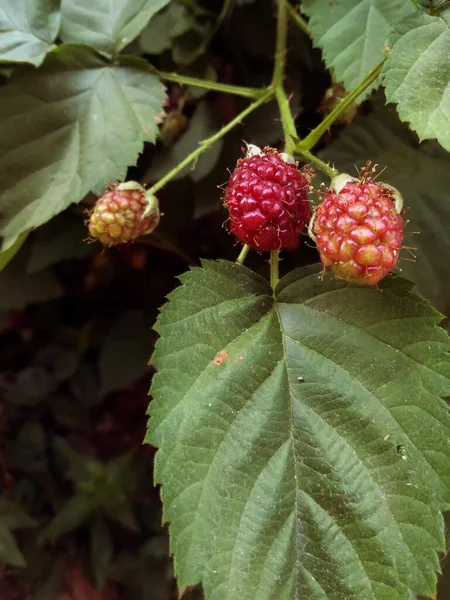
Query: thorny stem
(323, 166)
(274, 271)
(311, 140)
(238, 90)
(243, 254)
(260, 96)
(210, 141)
(287, 120)
(298, 19)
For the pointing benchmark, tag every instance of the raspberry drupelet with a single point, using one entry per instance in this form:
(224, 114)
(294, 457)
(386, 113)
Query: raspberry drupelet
(358, 229)
(267, 199)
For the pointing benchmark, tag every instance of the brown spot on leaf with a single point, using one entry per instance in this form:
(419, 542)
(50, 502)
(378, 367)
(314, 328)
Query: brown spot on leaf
(220, 358)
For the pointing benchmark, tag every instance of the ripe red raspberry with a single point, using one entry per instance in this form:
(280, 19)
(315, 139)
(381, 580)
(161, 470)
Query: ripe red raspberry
(123, 214)
(358, 229)
(267, 200)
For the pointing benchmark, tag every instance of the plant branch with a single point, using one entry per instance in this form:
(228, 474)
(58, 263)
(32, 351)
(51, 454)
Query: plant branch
(323, 166)
(287, 120)
(205, 144)
(280, 50)
(298, 19)
(311, 140)
(213, 86)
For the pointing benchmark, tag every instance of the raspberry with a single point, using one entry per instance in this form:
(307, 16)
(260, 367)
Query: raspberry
(267, 200)
(358, 229)
(123, 214)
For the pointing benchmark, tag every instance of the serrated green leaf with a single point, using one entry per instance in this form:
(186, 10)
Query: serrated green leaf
(67, 129)
(28, 29)
(279, 423)
(417, 74)
(9, 552)
(352, 34)
(106, 26)
(421, 175)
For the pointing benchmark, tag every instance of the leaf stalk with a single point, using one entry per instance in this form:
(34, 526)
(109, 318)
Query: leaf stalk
(287, 120)
(212, 86)
(311, 140)
(274, 268)
(205, 144)
(298, 19)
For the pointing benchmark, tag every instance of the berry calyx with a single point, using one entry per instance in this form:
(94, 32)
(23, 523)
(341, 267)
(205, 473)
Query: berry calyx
(267, 200)
(358, 229)
(123, 214)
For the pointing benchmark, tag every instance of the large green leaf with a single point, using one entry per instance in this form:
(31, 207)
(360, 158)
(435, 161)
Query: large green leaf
(69, 128)
(106, 26)
(28, 29)
(417, 74)
(303, 443)
(421, 174)
(352, 34)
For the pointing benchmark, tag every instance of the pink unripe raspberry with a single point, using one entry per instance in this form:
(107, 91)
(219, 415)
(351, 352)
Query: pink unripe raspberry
(358, 229)
(123, 214)
(267, 200)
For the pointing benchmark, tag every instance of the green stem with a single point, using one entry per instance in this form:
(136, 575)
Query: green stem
(205, 144)
(280, 50)
(243, 254)
(274, 268)
(287, 120)
(311, 140)
(213, 86)
(298, 19)
(323, 166)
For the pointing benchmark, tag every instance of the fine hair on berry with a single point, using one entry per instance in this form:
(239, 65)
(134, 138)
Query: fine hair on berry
(267, 200)
(358, 229)
(123, 214)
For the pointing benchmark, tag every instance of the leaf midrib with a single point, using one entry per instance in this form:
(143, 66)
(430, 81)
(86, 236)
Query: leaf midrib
(347, 443)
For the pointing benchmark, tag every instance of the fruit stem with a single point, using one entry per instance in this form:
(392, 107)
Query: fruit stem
(274, 270)
(212, 86)
(298, 19)
(243, 254)
(205, 144)
(312, 138)
(323, 166)
(287, 120)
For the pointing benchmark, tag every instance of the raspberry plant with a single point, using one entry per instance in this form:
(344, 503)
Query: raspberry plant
(300, 420)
